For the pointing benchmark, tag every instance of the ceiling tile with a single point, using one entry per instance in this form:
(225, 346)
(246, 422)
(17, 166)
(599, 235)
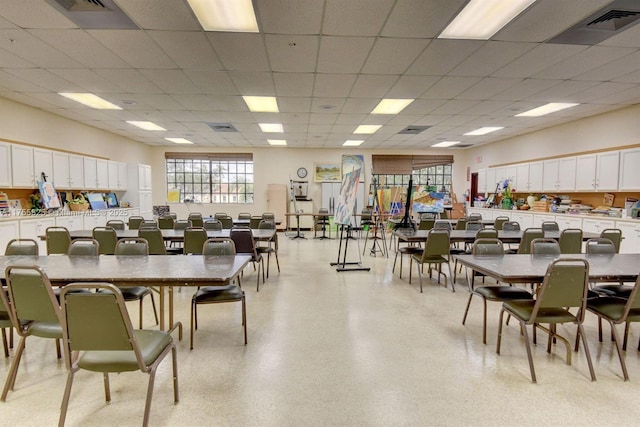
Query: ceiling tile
(420, 18)
(289, 16)
(525, 89)
(294, 84)
(583, 61)
(292, 53)
(240, 51)
(134, 47)
(372, 86)
(255, 83)
(343, 54)
(333, 85)
(487, 87)
(34, 14)
(393, 55)
(160, 15)
(359, 105)
(171, 81)
(411, 86)
(213, 82)
(538, 59)
(199, 56)
(290, 104)
(449, 87)
(610, 71)
(441, 56)
(129, 80)
(355, 17)
(491, 57)
(28, 47)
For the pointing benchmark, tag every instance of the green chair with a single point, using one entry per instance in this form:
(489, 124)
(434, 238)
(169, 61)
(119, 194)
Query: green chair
(605, 247)
(525, 242)
(491, 247)
(58, 240)
(154, 238)
(227, 222)
(564, 288)
(5, 323)
(571, 241)
(219, 215)
(426, 224)
(213, 224)
(271, 246)
(98, 337)
(244, 215)
(217, 293)
(269, 215)
(410, 249)
(84, 247)
(436, 251)
(116, 224)
(499, 221)
(254, 222)
(107, 238)
(181, 224)
(544, 246)
(196, 219)
(613, 234)
(34, 311)
(166, 222)
(550, 226)
(475, 217)
(616, 311)
(194, 238)
(461, 224)
(147, 223)
(134, 222)
(17, 247)
(511, 226)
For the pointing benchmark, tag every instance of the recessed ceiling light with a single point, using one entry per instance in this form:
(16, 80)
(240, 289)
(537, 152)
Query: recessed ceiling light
(481, 19)
(484, 130)
(179, 140)
(549, 108)
(145, 125)
(352, 143)
(391, 106)
(261, 104)
(446, 143)
(280, 142)
(225, 15)
(271, 127)
(367, 129)
(90, 100)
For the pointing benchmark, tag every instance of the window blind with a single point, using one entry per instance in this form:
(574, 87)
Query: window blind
(389, 164)
(210, 156)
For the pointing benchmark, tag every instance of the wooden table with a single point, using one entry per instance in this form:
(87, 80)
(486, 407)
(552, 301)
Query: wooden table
(532, 268)
(174, 235)
(506, 236)
(159, 271)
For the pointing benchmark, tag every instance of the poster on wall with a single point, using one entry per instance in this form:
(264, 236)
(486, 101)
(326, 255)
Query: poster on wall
(425, 200)
(347, 199)
(351, 162)
(326, 172)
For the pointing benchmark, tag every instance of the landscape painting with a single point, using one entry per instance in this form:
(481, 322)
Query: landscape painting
(327, 172)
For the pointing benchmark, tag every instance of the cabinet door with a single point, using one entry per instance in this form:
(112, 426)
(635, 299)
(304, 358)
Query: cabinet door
(117, 176)
(629, 176)
(76, 172)
(482, 181)
(43, 164)
(522, 178)
(102, 174)
(491, 181)
(596, 225)
(586, 172)
(144, 177)
(607, 168)
(9, 230)
(5, 165)
(61, 170)
(630, 243)
(550, 175)
(122, 176)
(535, 176)
(567, 174)
(90, 173)
(22, 166)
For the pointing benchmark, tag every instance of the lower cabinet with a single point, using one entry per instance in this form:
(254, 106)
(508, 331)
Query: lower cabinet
(9, 230)
(34, 228)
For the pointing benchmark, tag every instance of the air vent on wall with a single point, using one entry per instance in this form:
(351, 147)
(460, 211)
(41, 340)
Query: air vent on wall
(222, 127)
(94, 14)
(413, 130)
(614, 18)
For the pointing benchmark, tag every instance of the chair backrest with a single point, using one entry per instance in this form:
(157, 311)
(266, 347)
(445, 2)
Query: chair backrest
(84, 247)
(613, 234)
(107, 238)
(427, 215)
(254, 222)
(365, 217)
(527, 236)
(196, 219)
(571, 241)
(221, 246)
(486, 233)
(166, 222)
(244, 215)
(194, 238)
(475, 217)
(511, 226)
(173, 215)
(600, 245)
(154, 238)
(426, 224)
(268, 215)
(437, 243)
(181, 224)
(227, 222)
(488, 247)
(134, 222)
(116, 224)
(213, 224)
(497, 223)
(243, 240)
(98, 321)
(31, 295)
(21, 247)
(565, 285)
(461, 224)
(148, 223)
(58, 240)
(545, 247)
(444, 214)
(473, 225)
(219, 215)
(633, 302)
(132, 246)
(550, 226)
(443, 225)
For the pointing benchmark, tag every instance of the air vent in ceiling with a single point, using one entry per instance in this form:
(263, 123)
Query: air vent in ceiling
(413, 130)
(94, 14)
(605, 23)
(222, 127)
(462, 146)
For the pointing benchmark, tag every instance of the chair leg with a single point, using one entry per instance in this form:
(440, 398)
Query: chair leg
(420, 275)
(5, 343)
(244, 319)
(65, 398)
(174, 363)
(277, 261)
(626, 336)
(499, 331)
(466, 310)
(623, 365)
(13, 370)
(453, 282)
(193, 322)
(484, 320)
(529, 355)
(155, 312)
(147, 406)
(107, 389)
(586, 351)
(140, 312)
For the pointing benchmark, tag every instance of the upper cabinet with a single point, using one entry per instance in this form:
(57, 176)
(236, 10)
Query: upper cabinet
(144, 177)
(68, 171)
(629, 176)
(117, 175)
(22, 174)
(90, 173)
(76, 171)
(559, 174)
(42, 164)
(102, 174)
(5, 164)
(535, 177)
(598, 172)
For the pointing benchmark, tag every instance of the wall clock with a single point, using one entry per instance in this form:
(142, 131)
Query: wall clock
(302, 172)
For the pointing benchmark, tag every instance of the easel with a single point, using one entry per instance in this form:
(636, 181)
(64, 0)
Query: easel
(378, 225)
(406, 221)
(298, 234)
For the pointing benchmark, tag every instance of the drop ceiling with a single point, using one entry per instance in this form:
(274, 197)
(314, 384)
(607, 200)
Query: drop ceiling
(328, 62)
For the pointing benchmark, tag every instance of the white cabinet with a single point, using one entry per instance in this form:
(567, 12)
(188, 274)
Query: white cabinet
(102, 174)
(22, 174)
(70, 222)
(61, 171)
(535, 177)
(139, 189)
(491, 181)
(145, 204)
(559, 174)
(42, 164)
(524, 219)
(76, 171)
(566, 221)
(598, 172)
(34, 228)
(144, 177)
(482, 181)
(90, 166)
(94, 219)
(592, 225)
(117, 176)
(630, 243)
(539, 218)
(629, 179)
(521, 182)
(5, 166)
(9, 230)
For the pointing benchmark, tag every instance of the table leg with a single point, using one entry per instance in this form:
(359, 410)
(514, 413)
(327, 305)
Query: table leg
(161, 292)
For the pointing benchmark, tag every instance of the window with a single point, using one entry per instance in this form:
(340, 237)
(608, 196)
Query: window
(432, 172)
(210, 177)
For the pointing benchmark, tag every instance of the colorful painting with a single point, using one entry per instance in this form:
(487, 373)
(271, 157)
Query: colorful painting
(48, 195)
(326, 172)
(351, 162)
(347, 199)
(427, 201)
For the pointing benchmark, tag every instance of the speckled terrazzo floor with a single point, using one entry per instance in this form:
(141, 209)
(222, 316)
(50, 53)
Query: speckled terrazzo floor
(340, 349)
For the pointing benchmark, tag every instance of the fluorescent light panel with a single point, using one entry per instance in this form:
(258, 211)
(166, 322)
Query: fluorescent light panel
(261, 104)
(391, 106)
(367, 129)
(179, 140)
(484, 130)
(549, 108)
(481, 19)
(145, 125)
(278, 142)
(446, 143)
(225, 15)
(90, 100)
(271, 127)
(352, 143)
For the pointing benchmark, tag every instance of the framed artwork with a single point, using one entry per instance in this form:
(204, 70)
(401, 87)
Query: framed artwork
(352, 162)
(48, 195)
(327, 172)
(347, 198)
